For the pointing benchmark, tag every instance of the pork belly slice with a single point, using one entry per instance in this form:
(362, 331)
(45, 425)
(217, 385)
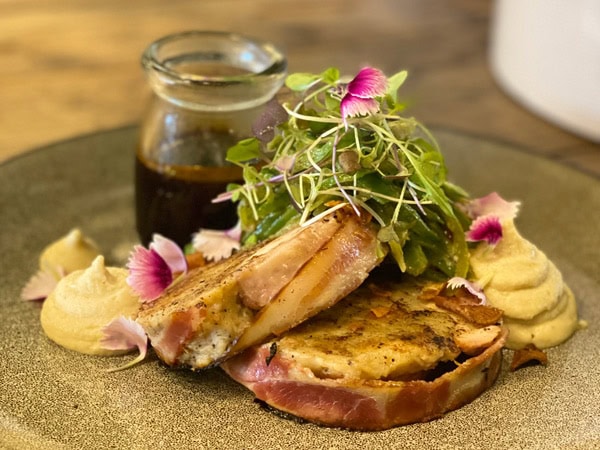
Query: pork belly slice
(335, 271)
(275, 264)
(202, 311)
(374, 361)
(198, 320)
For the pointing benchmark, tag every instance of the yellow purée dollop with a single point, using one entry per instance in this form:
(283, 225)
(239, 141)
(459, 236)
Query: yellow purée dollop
(539, 308)
(71, 252)
(83, 303)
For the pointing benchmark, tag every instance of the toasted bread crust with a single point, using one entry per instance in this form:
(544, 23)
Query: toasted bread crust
(376, 396)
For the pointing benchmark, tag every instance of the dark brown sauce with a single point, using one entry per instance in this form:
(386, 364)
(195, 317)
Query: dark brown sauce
(175, 201)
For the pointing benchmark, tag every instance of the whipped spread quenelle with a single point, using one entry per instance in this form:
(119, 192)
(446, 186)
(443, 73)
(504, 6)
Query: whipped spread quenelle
(539, 308)
(72, 252)
(83, 303)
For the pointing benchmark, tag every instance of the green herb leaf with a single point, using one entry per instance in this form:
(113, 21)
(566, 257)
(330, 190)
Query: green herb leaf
(300, 81)
(245, 150)
(331, 75)
(394, 83)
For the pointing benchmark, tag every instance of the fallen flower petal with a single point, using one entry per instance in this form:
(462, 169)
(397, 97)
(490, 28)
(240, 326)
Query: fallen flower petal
(125, 334)
(218, 244)
(493, 204)
(485, 228)
(39, 286)
(42, 283)
(149, 274)
(471, 287)
(170, 252)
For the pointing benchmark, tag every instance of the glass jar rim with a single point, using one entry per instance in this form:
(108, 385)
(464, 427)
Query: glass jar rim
(151, 60)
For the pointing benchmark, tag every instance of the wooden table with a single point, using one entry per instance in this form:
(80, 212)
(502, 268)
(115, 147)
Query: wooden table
(72, 66)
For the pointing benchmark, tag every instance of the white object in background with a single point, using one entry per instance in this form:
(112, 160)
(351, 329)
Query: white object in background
(546, 54)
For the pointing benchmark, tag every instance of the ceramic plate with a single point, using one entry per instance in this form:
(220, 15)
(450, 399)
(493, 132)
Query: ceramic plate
(54, 398)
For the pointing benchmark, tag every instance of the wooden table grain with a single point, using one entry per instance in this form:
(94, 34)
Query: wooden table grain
(70, 67)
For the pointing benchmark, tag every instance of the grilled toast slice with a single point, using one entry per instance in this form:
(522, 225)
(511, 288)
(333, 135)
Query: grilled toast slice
(384, 356)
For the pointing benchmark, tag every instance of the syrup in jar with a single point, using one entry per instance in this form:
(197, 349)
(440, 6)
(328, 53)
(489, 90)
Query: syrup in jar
(175, 200)
(208, 88)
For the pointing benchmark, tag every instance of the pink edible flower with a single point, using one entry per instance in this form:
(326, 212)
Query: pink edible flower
(488, 213)
(125, 334)
(361, 92)
(493, 204)
(485, 228)
(153, 270)
(40, 285)
(368, 83)
(216, 245)
(473, 288)
(170, 252)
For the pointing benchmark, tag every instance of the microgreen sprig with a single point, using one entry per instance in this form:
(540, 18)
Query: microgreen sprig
(345, 143)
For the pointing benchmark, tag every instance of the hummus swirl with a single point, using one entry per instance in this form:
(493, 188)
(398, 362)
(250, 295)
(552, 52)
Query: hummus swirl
(83, 303)
(68, 254)
(518, 278)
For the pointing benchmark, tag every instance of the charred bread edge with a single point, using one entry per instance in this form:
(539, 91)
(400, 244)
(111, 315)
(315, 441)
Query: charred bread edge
(365, 405)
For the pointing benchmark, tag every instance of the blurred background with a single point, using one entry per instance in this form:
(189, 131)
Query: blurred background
(71, 67)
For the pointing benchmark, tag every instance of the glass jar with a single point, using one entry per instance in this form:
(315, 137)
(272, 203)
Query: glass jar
(208, 88)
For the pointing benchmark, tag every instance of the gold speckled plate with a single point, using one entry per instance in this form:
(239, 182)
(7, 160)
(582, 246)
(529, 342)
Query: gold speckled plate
(53, 398)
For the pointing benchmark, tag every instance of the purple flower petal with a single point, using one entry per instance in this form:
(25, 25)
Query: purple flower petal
(493, 204)
(170, 252)
(285, 163)
(39, 286)
(361, 92)
(485, 228)
(235, 232)
(222, 197)
(125, 334)
(264, 126)
(473, 288)
(218, 244)
(149, 274)
(368, 83)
